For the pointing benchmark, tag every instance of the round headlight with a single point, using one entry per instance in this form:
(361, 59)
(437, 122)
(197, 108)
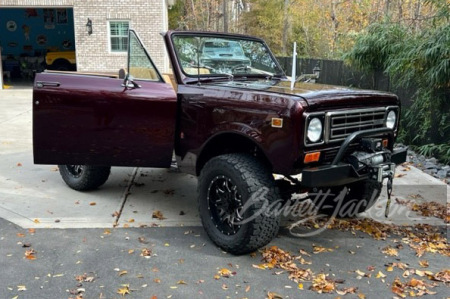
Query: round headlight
(314, 130)
(391, 119)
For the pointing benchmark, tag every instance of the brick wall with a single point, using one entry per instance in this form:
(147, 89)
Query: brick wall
(147, 17)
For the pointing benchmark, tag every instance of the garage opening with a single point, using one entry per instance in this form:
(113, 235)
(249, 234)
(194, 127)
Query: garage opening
(34, 39)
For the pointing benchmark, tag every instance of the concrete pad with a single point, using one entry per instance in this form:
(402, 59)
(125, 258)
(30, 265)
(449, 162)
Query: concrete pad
(411, 185)
(36, 196)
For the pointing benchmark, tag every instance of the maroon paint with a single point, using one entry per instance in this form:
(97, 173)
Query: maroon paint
(94, 120)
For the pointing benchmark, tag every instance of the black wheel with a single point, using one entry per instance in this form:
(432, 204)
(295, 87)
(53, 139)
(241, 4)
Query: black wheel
(234, 193)
(347, 201)
(84, 177)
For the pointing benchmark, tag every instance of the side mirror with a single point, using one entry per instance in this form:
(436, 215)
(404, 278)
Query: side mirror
(128, 82)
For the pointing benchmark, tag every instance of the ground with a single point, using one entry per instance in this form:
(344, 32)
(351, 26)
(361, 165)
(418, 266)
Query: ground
(139, 236)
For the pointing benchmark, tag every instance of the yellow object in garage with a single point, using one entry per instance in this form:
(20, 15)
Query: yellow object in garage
(61, 60)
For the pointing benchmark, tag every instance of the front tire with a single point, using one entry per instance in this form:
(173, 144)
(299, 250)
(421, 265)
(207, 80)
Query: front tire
(358, 198)
(84, 177)
(234, 192)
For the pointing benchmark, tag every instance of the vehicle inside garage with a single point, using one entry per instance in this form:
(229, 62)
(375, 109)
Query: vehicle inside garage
(34, 39)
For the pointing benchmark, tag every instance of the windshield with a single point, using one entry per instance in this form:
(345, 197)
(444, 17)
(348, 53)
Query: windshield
(206, 56)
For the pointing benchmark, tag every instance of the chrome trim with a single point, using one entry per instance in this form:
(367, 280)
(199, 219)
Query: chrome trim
(328, 116)
(305, 133)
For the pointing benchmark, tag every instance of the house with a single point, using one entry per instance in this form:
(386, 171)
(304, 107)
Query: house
(91, 35)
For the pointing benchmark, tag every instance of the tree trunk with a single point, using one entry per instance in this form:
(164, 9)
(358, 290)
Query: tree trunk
(285, 27)
(225, 16)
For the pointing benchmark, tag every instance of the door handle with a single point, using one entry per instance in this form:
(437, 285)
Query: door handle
(41, 84)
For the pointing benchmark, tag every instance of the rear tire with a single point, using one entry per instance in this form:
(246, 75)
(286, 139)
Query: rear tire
(226, 184)
(84, 177)
(360, 197)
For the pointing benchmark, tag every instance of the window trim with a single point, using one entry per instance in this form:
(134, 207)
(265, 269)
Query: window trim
(109, 36)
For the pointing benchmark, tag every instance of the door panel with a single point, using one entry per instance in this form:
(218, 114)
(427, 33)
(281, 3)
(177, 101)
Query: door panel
(94, 120)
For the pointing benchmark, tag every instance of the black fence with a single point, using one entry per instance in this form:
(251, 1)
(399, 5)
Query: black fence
(335, 72)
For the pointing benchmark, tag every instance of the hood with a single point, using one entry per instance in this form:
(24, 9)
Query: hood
(316, 95)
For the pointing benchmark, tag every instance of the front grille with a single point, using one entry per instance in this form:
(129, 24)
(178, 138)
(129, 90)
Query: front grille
(340, 124)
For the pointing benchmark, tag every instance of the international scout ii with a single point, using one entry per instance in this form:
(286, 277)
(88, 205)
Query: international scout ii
(232, 119)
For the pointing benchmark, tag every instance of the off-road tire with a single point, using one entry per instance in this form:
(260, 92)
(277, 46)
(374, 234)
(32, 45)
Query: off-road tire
(360, 197)
(250, 177)
(84, 177)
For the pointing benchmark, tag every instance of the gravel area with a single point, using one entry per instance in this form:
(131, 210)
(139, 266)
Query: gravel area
(430, 166)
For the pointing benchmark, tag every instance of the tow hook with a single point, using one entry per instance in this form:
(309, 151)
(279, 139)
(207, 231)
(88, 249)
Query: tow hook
(389, 192)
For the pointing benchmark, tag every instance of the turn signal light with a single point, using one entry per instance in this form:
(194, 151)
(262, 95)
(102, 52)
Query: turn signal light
(312, 157)
(385, 143)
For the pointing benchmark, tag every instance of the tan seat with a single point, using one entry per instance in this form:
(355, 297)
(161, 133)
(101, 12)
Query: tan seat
(143, 73)
(170, 79)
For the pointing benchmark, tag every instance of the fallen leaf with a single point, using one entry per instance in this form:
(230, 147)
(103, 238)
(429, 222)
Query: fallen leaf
(157, 280)
(263, 266)
(272, 295)
(380, 275)
(443, 276)
(319, 249)
(181, 282)
(359, 272)
(304, 252)
(300, 286)
(31, 230)
(21, 288)
(131, 220)
(224, 272)
(107, 231)
(30, 254)
(146, 252)
(19, 164)
(92, 203)
(390, 251)
(423, 263)
(344, 291)
(321, 284)
(123, 291)
(36, 221)
(247, 289)
(121, 273)
(20, 235)
(158, 214)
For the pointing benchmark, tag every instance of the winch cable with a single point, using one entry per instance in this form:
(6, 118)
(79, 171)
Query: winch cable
(389, 192)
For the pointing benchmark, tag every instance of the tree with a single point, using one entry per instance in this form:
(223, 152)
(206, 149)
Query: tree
(416, 56)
